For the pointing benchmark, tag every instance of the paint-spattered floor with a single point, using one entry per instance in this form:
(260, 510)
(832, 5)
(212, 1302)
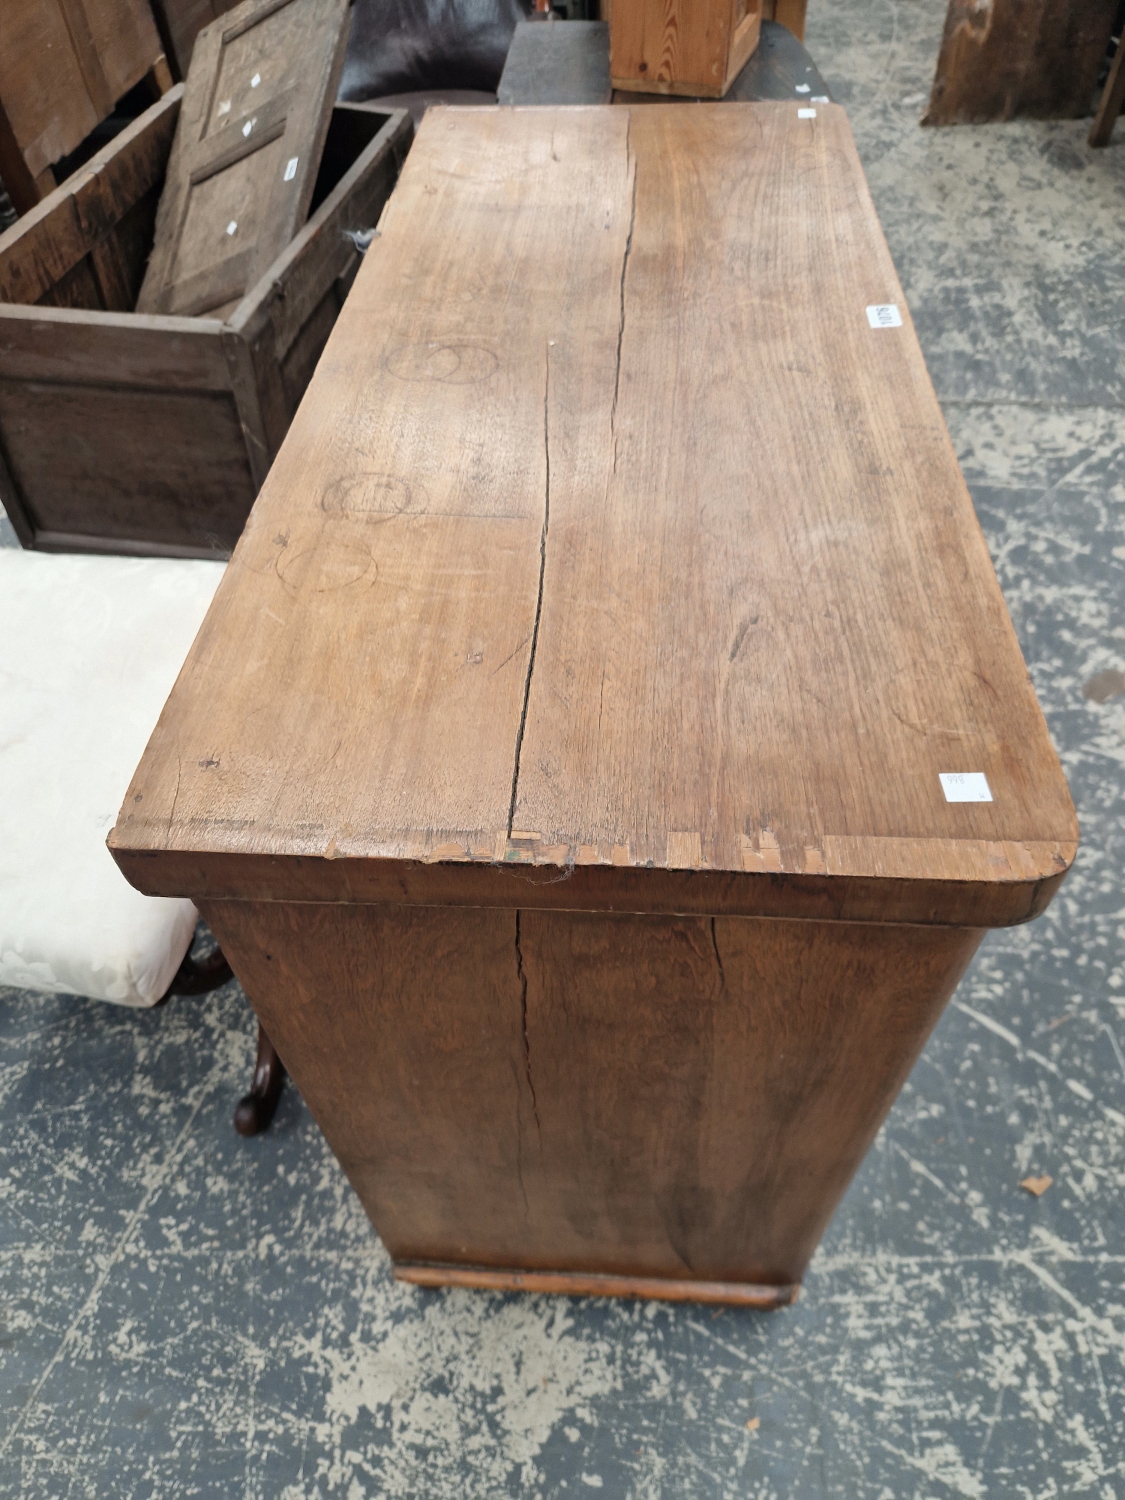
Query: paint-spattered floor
(184, 1314)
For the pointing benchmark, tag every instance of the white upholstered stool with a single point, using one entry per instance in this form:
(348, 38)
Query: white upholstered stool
(89, 650)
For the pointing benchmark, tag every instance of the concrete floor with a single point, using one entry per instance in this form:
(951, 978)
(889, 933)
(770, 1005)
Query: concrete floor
(183, 1314)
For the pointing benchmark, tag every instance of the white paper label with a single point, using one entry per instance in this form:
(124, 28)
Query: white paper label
(248, 127)
(821, 99)
(224, 108)
(806, 114)
(884, 315)
(256, 80)
(965, 786)
(232, 226)
(803, 88)
(290, 169)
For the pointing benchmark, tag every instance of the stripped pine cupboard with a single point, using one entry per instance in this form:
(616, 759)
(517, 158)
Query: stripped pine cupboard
(694, 48)
(690, 47)
(609, 744)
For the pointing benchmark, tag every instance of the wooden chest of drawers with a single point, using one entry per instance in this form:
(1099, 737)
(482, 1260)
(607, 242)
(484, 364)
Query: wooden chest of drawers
(583, 761)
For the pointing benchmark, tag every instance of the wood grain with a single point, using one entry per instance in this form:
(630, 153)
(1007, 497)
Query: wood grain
(82, 218)
(63, 66)
(638, 576)
(693, 47)
(247, 146)
(682, 1098)
(1011, 58)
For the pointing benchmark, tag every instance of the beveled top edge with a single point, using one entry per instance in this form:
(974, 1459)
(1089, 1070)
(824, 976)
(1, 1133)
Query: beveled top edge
(889, 897)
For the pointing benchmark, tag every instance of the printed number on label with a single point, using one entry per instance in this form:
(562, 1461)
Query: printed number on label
(884, 315)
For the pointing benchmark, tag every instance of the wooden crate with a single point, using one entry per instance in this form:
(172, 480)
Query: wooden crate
(126, 433)
(684, 47)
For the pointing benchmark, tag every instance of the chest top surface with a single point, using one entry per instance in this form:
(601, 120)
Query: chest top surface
(613, 556)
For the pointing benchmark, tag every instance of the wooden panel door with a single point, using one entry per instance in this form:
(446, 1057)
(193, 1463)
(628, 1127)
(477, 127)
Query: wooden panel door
(255, 113)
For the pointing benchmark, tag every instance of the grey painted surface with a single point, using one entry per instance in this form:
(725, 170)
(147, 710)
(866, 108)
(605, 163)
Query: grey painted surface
(183, 1314)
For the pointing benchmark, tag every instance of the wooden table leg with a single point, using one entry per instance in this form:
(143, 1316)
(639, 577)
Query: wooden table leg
(255, 1111)
(199, 976)
(1112, 98)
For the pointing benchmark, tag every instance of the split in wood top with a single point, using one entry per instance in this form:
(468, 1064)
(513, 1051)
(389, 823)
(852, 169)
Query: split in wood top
(614, 559)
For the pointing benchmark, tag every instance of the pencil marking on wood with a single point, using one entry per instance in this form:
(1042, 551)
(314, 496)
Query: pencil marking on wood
(371, 494)
(509, 656)
(542, 571)
(448, 364)
(736, 646)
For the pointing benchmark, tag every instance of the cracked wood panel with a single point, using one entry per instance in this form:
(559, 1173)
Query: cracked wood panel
(364, 675)
(613, 550)
(637, 1096)
(790, 622)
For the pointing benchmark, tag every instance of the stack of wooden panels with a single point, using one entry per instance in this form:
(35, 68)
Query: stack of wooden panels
(151, 430)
